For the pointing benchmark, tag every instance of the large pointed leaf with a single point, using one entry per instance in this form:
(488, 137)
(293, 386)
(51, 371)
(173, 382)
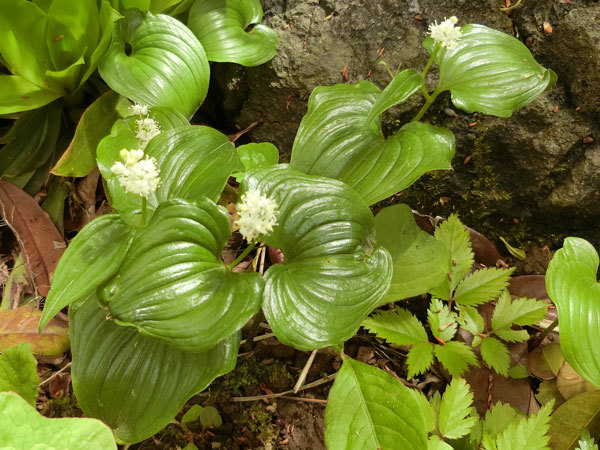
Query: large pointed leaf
(369, 409)
(167, 65)
(221, 28)
(572, 286)
(332, 275)
(490, 72)
(134, 383)
(419, 258)
(331, 142)
(19, 94)
(581, 411)
(172, 284)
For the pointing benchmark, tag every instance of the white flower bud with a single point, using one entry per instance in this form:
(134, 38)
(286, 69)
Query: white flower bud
(147, 129)
(138, 176)
(257, 215)
(139, 110)
(445, 32)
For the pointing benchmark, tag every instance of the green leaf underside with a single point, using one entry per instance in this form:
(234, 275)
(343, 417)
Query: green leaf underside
(368, 408)
(332, 276)
(18, 372)
(521, 311)
(442, 321)
(90, 259)
(482, 286)
(398, 327)
(495, 354)
(572, 286)
(490, 72)
(456, 357)
(579, 412)
(419, 258)
(331, 142)
(419, 358)
(454, 418)
(23, 427)
(134, 383)
(221, 28)
(172, 284)
(167, 65)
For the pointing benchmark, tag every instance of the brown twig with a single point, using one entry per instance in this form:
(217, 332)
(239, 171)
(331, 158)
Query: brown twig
(291, 391)
(54, 374)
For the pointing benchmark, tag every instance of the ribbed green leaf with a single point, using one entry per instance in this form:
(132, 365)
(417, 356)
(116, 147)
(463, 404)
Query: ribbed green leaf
(572, 286)
(495, 354)
(369, 409)
(419, 358)
(490, 72)
(482, 286)
(454, 418)
(332, 276)
(167, 65)
(18, 372)
(579, 412)
(221, 26)
(90, 259)
(398, 327)
(442, 321)
(134, 383)
(419, 258)
(331, 142)
(456, 357)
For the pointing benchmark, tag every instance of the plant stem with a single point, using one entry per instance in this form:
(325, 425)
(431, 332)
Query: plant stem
(144, 207)
(240, 258)
(429, 99)
(425, 107)
(431, 58)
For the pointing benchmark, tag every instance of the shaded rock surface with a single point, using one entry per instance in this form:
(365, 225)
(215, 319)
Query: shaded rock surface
(529, 176)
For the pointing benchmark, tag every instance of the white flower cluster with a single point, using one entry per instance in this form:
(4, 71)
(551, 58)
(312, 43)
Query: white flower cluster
(445, 32)
(257, 215)
(138, 175)
(138, 110)
(147, 129)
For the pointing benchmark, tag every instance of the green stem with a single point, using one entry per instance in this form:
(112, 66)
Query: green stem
(431, 58)
(243, 255)
(144, 208)
(428, 102)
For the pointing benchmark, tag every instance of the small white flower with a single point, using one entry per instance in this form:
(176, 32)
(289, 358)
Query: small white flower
(138, 175)
(257, 215)
(139, 110)
(147, 129)
(445, 32)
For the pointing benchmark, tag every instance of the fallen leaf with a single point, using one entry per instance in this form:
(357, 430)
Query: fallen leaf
(531, 286)
(485, 252)
(570, 384)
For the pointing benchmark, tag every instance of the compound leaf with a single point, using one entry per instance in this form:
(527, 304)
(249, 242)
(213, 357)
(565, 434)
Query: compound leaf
(521, 311)
(495, 354)
(442, 321)
(398, 327)
(419, 358)
(470, 319)
(456, 357)
(482, 286)
(454, 419)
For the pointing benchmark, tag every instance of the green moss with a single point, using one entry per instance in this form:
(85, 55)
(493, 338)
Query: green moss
(64, 406)
(250, 372)
(258, 422)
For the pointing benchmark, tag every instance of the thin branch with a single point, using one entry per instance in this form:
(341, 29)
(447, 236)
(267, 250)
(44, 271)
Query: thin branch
(54, 374)
(280, 394)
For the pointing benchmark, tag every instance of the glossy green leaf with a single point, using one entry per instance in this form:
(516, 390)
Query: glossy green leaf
(490, 72)
(369, 409)
(572, 286)
(172, 284)
(167, 65)
(19, 94)
(221, 26)
(90, 259)
(419, 259)
(419, 359)
(442, 321)
(456, 357)
(18, 372)
(96, 122)
(454, 419)
(136, 384)
(402, 86)
(332, 276)
(579, 412)
(495, 354)
(257, 156)
(331, 142)
(398, 327)
(482, 286)
(23, 427)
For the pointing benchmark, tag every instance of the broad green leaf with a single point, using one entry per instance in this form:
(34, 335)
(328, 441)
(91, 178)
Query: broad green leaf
(419, 358)
(482, 286)
(454, 419)
(18, 372)
(530, 433)
(331, 142)
(567, 422)
(455, 237)
(79, 159)
(221, 26)
(402, 86)
(167, 65)
(572, 286)
(419, 258)
(19, 94)
(257, 156)
(398, 327)
(369, 409)
(136, 384)
(332, 276)
(90, 259)
(490, 72)
(470, 319)
(442, 321)
(498, 418)
(23, 427)
(495, 354)
(210, 417)
(172, 284)
(521, 311)
(456, 357)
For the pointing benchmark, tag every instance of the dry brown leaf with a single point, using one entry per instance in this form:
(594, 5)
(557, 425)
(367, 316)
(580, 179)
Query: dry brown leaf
(532, 286)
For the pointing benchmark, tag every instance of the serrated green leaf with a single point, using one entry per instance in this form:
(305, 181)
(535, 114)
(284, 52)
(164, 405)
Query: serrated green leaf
(470, 319)
(442, 321)
(419, 258)
(519, 371)
(529, 433)
(586, 441)
(331, 142)
(510, 335)
(398, 327)
(498, 418)
(23, 427)
(332, 276)
(454, 418)
(490, 72)
(581, 411)
(136, 384)
(521, 311)
(482, 286)
(495, 354)
(167, 65)
(90, 259)
(18, 372)
(456, 357)
(572, 286)
(368, 408)
(428, 413)
(436, 443)
(173, 285)
(419, 359)
(221, 28)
